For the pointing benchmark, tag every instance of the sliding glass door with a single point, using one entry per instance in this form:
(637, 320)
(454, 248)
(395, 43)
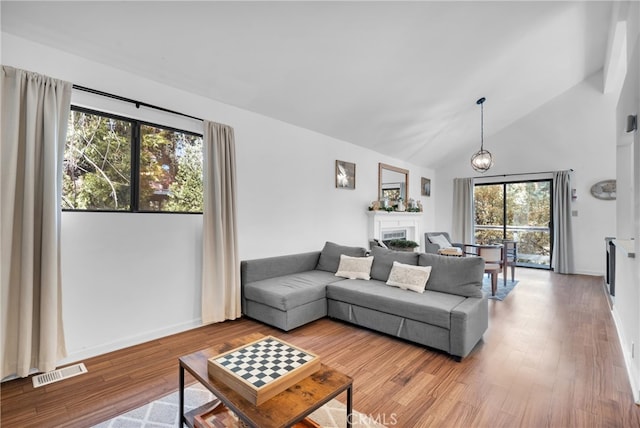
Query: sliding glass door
(519, 211)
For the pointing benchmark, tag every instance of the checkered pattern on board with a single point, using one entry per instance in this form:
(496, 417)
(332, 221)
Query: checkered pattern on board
(264, 361)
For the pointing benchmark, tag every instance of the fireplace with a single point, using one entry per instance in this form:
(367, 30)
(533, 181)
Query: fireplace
(610, 278)
(387, 236)
(385, 226)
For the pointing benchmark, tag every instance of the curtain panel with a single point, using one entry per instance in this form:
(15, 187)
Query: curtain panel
(34, 114)
(220, 264)
(462, 228)
(562, 256)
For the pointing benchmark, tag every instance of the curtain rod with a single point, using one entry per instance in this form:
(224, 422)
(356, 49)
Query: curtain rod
(523, 173)
(135, 102)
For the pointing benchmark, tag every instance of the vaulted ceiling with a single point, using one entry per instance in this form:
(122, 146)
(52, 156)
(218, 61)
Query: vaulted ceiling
(401, 78)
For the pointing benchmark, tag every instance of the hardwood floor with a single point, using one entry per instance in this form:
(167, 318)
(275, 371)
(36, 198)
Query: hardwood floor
(551, 358)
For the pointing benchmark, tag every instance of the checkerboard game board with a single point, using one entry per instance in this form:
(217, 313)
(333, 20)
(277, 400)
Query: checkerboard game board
(264, 361)
(263, 368)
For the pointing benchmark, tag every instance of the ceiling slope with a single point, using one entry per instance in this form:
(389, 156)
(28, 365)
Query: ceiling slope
(401, 78)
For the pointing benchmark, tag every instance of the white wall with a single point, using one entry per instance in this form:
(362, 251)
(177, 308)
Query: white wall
(576, 130)
(128, 278)
(626, 308)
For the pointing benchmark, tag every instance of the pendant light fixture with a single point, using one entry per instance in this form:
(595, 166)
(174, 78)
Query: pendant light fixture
(482, 160)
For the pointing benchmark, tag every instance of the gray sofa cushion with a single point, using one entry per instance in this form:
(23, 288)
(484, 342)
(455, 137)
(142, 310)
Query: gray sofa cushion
(290, 291)
(455, 275)
(273, 267)
(330, 256)
(430, 307)
(383, 259)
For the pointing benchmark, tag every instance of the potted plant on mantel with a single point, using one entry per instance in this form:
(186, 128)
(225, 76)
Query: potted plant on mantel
(403, 245)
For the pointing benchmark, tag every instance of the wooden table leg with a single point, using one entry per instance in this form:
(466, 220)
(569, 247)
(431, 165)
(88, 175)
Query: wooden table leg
(504, 265)
(504, 273)
(494, 282)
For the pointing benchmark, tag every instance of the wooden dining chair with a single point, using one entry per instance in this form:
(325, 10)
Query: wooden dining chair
(492, 263)
(491, 254)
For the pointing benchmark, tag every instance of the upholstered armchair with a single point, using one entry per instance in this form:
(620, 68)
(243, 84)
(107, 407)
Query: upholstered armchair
(431, 245)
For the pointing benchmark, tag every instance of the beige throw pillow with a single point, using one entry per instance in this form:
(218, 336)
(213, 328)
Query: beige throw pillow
(355, 267)
(409, 277)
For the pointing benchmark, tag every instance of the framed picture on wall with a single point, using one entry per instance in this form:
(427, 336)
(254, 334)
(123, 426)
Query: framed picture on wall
(425, 185)
(345, 175)
(392, 194)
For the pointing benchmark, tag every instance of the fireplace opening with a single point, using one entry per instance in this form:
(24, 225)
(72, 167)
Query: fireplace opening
(390, 235)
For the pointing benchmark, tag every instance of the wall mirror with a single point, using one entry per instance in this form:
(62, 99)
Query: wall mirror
(393, 183)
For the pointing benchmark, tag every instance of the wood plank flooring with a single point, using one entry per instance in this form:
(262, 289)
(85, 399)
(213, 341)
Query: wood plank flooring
(551, 358)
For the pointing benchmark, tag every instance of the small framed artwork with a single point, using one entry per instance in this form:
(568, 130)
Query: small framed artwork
(392, 194)
(425, 185)
(345, 175)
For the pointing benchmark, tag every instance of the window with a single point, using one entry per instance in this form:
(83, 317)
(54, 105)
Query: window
(519, 211)
(114, 163)
(170, 176)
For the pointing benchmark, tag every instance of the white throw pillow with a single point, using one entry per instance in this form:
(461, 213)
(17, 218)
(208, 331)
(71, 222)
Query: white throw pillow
(355, 267)
(441, 240)
(409, 277)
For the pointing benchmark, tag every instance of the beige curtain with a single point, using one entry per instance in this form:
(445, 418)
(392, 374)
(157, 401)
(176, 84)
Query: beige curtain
(462, 229)
(35, 111)
(220, 264)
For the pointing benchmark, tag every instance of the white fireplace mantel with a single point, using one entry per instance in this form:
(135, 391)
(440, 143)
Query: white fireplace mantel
(388, 223)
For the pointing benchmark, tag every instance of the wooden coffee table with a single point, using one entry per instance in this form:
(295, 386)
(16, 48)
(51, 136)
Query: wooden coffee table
(283, 410)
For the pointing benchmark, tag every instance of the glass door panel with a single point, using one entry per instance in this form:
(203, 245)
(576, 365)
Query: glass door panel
(529, 220)
(489, 213)
(518, 211)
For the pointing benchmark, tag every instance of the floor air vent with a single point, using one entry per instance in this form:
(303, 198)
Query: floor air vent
(60, 374)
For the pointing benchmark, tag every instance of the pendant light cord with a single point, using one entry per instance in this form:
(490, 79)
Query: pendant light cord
(481, 102)
(481, 126)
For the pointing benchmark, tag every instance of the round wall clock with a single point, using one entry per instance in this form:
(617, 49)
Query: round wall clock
(604, 190)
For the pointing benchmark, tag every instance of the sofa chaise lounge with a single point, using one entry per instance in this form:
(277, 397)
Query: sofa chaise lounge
(450, 315)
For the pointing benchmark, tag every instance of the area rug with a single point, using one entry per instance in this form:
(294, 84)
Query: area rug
(163, 413)
(502, 291)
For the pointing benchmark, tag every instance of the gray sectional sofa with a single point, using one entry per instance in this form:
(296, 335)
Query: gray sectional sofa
(451, 314)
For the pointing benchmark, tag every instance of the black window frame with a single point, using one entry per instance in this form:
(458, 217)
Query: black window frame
(134, 190)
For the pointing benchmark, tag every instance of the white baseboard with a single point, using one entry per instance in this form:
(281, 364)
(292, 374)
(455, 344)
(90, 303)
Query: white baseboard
(632, 373)
(82, 354)
(590, 273)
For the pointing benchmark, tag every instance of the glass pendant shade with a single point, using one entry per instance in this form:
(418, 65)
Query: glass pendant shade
(482, 160)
